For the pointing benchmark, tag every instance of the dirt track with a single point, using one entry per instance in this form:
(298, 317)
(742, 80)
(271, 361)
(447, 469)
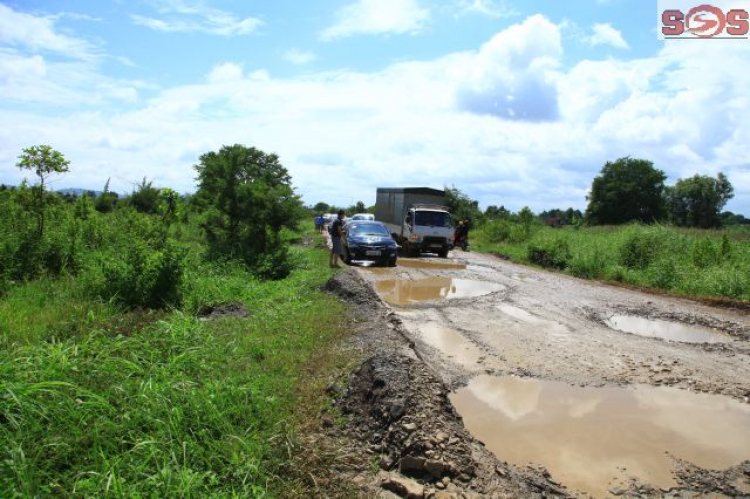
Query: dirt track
(474, 319)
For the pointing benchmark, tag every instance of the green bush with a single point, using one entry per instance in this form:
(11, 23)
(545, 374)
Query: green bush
(554, 253)
(705, 253)
(640, 249)
(142, 274)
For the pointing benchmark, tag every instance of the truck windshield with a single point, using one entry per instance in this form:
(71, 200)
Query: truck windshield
(433, 219)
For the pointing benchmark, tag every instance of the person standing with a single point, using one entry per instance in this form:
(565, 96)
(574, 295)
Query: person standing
(337, 233)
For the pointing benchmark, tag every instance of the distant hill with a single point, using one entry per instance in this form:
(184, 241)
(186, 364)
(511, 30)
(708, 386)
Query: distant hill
(75, 191)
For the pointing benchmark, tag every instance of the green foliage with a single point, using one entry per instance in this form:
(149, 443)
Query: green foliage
(107, 200)
(145, 198)
(554, 253)
(626, 190)
(698, 201)
(169, 406)
(44, 162)
(462, 207)
(248, 198)
(692, 262)
(322, 207)
(640, 249)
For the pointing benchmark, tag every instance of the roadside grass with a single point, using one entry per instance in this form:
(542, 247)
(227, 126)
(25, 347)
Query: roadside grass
(95, 402)
(690, 262)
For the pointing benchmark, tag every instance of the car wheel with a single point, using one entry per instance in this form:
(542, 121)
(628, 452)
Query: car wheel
(443, 253)
(347, 256)
(392, 262)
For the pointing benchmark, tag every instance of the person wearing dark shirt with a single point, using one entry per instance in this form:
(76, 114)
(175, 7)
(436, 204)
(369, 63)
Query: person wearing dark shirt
(337, 233)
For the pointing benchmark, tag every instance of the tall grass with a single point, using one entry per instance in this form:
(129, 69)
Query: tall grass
(690, 262)
(98, 401)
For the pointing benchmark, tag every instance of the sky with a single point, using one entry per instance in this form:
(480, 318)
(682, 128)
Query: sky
(516, 103)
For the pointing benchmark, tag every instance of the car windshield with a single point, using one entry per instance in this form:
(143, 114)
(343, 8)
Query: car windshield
(368, 230)
(433, 218)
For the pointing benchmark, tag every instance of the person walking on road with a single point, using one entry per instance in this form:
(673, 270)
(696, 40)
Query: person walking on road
(336, 234)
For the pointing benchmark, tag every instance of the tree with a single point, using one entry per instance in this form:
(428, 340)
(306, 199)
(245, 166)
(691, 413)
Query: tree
(249, 198)
(493, 212)
(461, 206)
(360, 207)
(626, 190)
(321, 207)
(697, 201)
(44, 162)
(526, 216)
(107, 200)
(145, 198)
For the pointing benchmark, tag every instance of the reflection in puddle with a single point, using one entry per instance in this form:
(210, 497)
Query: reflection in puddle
(451, 343)
(408, 292)
(585, 437)
(664, 330)
(430, 264)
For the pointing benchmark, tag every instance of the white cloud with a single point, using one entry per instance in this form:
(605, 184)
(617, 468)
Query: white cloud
(38, 34)
(342, 134)
(39, 64)
(605, 34)
(492, 8)
(186, 17)
(299, 57)
(373, 17)
(226, 72)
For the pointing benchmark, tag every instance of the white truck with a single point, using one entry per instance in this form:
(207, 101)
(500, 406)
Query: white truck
(417, 218)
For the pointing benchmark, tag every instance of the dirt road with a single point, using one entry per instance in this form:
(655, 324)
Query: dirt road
(542, 373)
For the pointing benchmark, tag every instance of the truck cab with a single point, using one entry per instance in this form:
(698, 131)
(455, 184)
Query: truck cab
(427, 228)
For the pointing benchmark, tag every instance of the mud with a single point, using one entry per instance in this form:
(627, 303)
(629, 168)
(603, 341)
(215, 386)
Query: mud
(232, 309)
(409, 292)
(551, 328)
(597, 439)
(665, 330)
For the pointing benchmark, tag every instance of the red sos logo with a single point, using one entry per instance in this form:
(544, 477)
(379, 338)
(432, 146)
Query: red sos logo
(705, 21)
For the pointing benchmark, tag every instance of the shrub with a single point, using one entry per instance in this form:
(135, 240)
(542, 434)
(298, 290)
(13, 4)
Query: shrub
(554, 253)
(143, 275)
(705, 253)
(640, 249)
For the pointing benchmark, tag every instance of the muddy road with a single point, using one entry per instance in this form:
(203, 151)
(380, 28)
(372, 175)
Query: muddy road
(610, 390)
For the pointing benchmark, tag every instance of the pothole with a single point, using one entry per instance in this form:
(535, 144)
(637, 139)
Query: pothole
(451, 343)
(430, 264)
(666, 330)
(408, 292)
(594, 439)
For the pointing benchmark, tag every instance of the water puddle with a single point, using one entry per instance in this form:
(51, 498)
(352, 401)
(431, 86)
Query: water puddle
(430, 264)
(665, 330)
(451, 343)
(409, 292)
(592, 439)
(371, 269)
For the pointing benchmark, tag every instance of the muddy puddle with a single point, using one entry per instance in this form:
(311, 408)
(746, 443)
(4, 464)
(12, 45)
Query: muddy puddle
(408, 292)
(430, 264)
(451, 343)
(594, 439)
(665, 330)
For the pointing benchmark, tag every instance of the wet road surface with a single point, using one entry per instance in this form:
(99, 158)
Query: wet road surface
(572, 375)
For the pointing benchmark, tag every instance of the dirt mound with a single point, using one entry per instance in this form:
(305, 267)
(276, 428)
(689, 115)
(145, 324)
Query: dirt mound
(350, 287)
(402, 411)
(231, 309)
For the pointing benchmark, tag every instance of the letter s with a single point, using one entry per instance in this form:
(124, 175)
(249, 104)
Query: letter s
(737, 22)
(673, 23)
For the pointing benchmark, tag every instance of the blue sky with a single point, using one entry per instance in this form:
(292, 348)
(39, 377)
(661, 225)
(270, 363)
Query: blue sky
(515, 103)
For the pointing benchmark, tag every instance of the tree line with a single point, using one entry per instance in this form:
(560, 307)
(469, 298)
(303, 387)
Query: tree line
(133, 249)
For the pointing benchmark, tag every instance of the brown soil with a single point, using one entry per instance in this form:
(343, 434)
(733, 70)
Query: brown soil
(396, 411)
